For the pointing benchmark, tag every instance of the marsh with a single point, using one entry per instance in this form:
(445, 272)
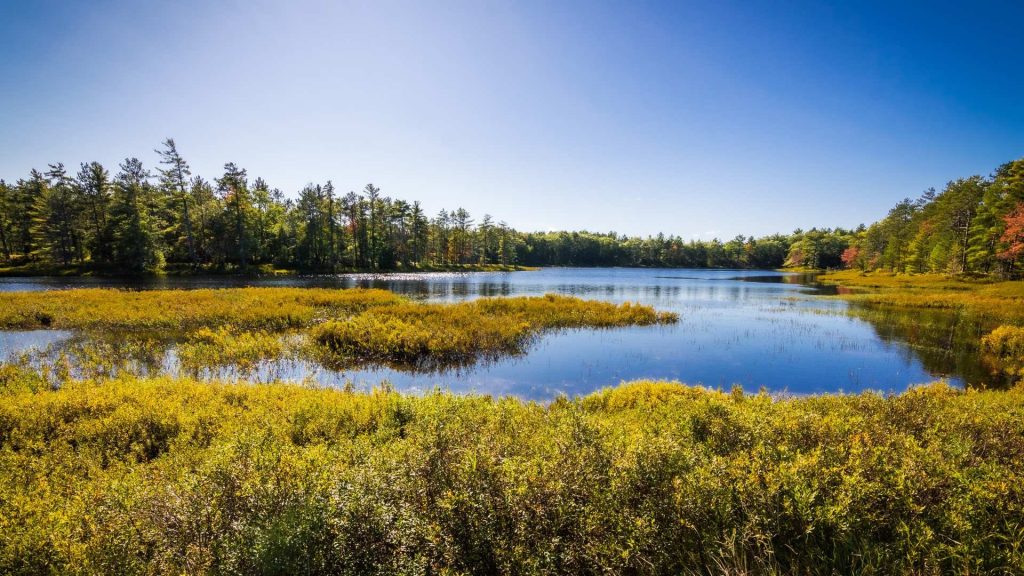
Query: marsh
(774, 330)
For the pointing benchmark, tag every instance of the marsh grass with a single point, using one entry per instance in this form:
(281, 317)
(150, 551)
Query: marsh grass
(948, 320)
(172, 476)
(242, 327)
(1004, 347)
(220, 347)
(997, 300)
(180, 311)
(430, 335)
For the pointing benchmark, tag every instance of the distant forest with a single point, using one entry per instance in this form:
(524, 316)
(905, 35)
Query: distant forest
(141, 221)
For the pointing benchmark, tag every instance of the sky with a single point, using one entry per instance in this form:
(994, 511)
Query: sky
(696, 118)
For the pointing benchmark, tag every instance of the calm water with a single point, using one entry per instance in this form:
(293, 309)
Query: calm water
(753, 328)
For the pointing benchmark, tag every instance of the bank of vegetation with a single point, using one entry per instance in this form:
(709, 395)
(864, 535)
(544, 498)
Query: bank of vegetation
(429, 335)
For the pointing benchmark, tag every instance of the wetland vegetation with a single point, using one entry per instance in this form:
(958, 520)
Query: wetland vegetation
(242, 326)
(171, 476)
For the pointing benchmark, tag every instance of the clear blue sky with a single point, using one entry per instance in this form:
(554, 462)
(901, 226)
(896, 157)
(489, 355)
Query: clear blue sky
(695, 118)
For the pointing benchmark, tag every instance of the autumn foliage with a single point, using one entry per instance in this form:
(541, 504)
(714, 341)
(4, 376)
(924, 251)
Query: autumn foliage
(1013, 236)
(850, 256)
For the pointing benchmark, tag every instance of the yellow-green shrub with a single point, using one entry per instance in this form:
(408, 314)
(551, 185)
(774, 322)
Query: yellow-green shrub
(413, 333)
(1005, 346)
(223, 347)
(164, 476)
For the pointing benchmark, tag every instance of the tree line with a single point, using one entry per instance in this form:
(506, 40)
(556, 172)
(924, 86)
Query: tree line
(975, 225)
(139, 220)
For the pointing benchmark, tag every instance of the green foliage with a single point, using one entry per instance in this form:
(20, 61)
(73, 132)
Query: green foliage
(174, 476)
(973, 226)
(132, 223)
(140, 224)
(818, 249)
(960, 230)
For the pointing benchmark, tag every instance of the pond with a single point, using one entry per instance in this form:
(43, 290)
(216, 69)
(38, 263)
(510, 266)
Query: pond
(758, 329)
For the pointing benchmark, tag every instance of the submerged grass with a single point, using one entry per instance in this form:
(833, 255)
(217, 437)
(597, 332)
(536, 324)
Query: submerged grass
(165, 476)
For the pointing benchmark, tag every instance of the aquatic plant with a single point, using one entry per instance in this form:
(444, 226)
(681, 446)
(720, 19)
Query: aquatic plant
(418, 334)
(171, 476)
(183, 310)
(223, 346)
(1004, 346)
(947, 320)
(241, 326)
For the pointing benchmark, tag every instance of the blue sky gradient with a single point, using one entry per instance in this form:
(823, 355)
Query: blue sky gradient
(694, 118)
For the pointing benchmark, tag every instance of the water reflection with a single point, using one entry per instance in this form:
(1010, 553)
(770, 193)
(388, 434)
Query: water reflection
(754, 328)
(945, 341)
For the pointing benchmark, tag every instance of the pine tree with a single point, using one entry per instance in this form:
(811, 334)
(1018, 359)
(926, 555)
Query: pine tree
(94, 188)
(55, 226)
(174, 180)
(238, 206)
(132, 230)
(7, 213)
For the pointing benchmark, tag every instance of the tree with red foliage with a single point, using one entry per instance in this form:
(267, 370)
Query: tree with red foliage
(1013, 236)
(850, 256)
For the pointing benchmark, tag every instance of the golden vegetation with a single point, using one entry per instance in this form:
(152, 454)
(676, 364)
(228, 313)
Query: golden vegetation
(974, 314)
(409, 333)
(182, 310)
(224, 347)
(1004, 346)
(242, 326)
(998, 300)
(163, 476)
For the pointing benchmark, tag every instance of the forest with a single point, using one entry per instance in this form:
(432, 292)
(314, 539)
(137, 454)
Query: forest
(143, 221)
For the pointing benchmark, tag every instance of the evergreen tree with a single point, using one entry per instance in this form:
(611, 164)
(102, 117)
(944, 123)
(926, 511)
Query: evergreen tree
(238, 206)
(174, 181)
(7, 214)
(94, 187)
(56, 224)
(132, 229)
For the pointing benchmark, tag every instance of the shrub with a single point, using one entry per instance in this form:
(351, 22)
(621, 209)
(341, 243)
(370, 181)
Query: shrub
(1005, 347)
(165, 476)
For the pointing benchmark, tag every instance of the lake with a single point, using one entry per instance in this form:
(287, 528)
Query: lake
(758, 329)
